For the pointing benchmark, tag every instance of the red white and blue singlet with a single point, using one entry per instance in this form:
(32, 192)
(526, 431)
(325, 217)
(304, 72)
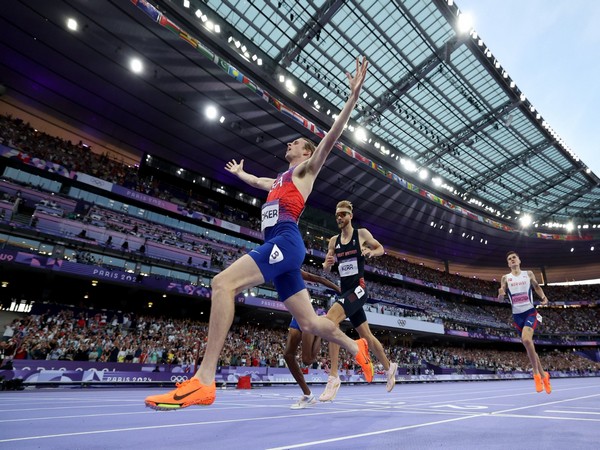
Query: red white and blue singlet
(281, 256)
(284, 203)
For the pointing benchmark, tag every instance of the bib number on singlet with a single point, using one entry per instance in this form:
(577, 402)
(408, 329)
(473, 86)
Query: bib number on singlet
(520, 298)
(270, 215)
(348, 268)
(359, 292)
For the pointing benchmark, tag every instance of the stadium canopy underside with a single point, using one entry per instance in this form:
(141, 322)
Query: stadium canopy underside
(442, 157)
(436, 98)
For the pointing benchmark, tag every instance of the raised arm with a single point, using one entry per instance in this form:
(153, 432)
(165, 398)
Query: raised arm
(321, 280)
(370, 246)
(238, 169)
(316, 161)
(538, 289)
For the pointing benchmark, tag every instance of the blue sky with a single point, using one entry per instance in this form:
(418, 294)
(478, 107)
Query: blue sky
(551, 49)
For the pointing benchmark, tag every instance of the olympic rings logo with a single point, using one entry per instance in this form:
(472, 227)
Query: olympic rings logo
(179, 378)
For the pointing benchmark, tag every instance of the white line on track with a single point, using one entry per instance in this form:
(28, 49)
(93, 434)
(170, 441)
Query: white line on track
(573, 412)
(177, 425)
(372, 433)
(68, 407)
(526, 416)
(544, 404)
(313, 413)
(147, 411)
(231, 406)
(354, 401)
(426, 424)
(581, 407)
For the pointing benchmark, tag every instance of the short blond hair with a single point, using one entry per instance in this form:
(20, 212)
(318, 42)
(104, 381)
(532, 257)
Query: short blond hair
(344, 204)
(309, 145)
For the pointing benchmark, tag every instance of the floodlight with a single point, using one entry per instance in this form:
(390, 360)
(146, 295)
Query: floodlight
(72, 24)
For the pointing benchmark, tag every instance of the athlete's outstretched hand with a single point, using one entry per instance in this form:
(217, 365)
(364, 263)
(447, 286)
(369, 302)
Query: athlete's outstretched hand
(234, 167)
(357, 81)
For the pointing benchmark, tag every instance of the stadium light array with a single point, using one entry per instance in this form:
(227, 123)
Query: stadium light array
(465, 22)
(526, 220)
(211, 112)
(72, 24)
(136, 65)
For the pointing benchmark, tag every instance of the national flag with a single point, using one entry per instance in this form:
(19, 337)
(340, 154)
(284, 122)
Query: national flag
(169, 25)
(189, 39)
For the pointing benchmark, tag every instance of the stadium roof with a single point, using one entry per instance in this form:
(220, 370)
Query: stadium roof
(436, 101)
(435, 96)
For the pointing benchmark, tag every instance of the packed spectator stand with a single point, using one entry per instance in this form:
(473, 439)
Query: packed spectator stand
(111, 238)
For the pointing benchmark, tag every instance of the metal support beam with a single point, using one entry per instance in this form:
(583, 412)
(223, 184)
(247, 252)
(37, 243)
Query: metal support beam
(555, 180)
(593, 209)
(310, 29)
(507, 166)
(467, 132)
(566, 199)
(408, 81)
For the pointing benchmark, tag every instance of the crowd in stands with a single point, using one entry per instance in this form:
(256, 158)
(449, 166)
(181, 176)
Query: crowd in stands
(478, 319)
(398, 301)
(78, 157)
(18, 134)
(83, 335)
(498, 361)
(221, 254)
(390, 264)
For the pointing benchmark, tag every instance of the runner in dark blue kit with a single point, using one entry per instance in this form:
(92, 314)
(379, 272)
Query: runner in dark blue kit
(279, 260)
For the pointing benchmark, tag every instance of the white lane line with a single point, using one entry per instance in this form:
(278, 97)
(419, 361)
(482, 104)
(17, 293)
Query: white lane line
(372, 433)
(78, 416)
(147, 411)
(525, 416)
(68, 407)
(221, 407)
(487, 414)
(177, 425)
(572, 412)
(544, 404)
(136, 404)
(353, 401)
(581, 407)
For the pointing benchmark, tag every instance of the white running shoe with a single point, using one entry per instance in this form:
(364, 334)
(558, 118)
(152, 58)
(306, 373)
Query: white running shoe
(333, 384)
(304, 402)
(391, 376)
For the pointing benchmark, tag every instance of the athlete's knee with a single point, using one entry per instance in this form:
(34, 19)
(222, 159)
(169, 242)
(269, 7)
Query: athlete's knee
(309, 325)
(289, 357)
(221, 283)
(308, 359)
(527, 341)
(309, 355)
